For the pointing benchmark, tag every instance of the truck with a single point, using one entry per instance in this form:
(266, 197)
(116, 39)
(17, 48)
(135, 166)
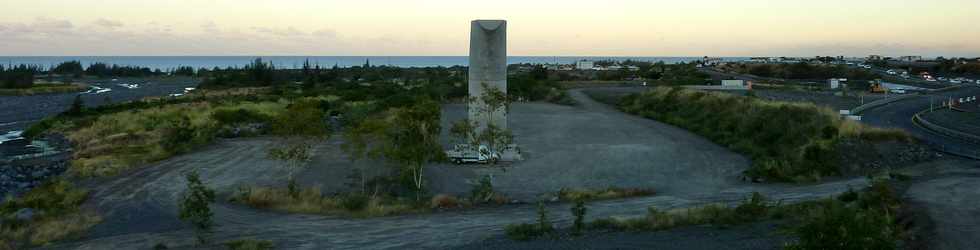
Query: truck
(465, 153)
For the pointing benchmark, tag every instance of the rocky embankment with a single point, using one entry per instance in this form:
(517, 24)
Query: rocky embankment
(27, 164)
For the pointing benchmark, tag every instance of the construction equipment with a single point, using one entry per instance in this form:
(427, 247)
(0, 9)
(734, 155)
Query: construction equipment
(877, 87)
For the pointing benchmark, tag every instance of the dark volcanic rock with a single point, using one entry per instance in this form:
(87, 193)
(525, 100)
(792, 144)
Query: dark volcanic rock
(19, 174)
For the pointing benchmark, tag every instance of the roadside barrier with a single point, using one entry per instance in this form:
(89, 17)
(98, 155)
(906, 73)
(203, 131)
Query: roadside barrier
(878, 103)
(923, 123)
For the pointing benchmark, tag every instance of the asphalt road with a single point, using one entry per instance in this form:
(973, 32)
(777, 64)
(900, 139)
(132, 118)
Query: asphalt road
(899, 115)
(948, 190)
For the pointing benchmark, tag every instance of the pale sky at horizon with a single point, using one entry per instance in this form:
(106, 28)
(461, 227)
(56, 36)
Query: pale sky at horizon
(535, 28)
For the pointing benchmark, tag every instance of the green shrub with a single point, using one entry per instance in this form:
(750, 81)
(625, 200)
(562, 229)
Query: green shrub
(249, 244)
(838, 226)
(523, 231)
(52, 198)
(483, 191)
(578, 211)
(786, 141)
(195, 206)
(354, 201)
(544, 224)
(238, 116)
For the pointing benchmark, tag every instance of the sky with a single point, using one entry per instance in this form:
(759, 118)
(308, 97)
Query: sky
(535, 27)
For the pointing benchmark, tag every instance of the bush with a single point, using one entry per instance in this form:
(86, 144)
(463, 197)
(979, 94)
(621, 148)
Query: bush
(239, 116)
(837, 226)
(195, 206)
(602, 194)
(249, 244)
(803, 148)
(54, 198)
(544, 224)
(57, 215)
(444, 201)
(523, 231)
(483, 191)
(579, 212)
(354, 202)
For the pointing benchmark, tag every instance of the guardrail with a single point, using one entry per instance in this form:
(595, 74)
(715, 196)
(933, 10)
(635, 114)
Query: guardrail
(923, 123)
(857, 110)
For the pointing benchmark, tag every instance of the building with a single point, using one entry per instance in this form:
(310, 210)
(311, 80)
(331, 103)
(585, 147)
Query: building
(910, 58)
(584, 65)
(875, 58)
(733, 83)
(835, 83)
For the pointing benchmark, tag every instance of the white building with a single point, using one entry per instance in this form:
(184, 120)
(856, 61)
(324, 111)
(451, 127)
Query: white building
(584, 65)
(835, 83)
(732, 83)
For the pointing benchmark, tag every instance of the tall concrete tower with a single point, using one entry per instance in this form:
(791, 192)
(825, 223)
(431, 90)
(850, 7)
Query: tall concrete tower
(488, 67)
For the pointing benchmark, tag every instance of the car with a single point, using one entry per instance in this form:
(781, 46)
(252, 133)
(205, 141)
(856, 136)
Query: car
(955, 81)
(930, 79)
(891, 72)
(897, 91)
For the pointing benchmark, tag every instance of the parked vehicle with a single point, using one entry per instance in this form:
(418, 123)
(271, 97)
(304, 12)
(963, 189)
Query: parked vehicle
(955, 81)
(464, 153)
(897, 91)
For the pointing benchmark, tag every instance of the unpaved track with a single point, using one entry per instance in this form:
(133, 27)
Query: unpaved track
(140, 206)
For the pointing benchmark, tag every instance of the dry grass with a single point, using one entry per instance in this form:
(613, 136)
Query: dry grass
(63, 227)
(445, 201)
(119, 141)
(602, 194)
(312, 201)
(56, 216)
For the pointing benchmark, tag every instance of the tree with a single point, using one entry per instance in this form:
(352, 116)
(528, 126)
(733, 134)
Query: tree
(405, 136)
(579, 212)
(195, 206)
(492, 102)
(77, 106)
(302, 127)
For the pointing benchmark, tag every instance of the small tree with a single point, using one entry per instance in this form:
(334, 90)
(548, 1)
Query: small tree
(77, 106)
(195, 206)
(543, 223)
(301, 126)
(489, 104)
(579, 212)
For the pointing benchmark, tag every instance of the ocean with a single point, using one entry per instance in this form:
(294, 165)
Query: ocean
(169, 62)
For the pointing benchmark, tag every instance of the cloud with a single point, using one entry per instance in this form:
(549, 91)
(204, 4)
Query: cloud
(106, 23)
(283, 32)
(325, 33)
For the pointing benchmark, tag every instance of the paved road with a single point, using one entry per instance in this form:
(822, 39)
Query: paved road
(139, 206)
(899, 115)
(949, 190)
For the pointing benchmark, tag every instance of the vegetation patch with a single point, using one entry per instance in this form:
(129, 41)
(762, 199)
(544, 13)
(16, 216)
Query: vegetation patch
(853, 220)
(45, 214)
(250, 244)
(45, 88)
(602, 194)
(786, 141)
(312, 201)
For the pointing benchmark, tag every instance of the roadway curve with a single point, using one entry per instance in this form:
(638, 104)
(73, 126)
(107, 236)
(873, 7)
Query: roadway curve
(946, 190)
(899, 115)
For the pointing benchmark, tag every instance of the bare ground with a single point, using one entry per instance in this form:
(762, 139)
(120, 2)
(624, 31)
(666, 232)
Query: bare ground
(586, 146)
